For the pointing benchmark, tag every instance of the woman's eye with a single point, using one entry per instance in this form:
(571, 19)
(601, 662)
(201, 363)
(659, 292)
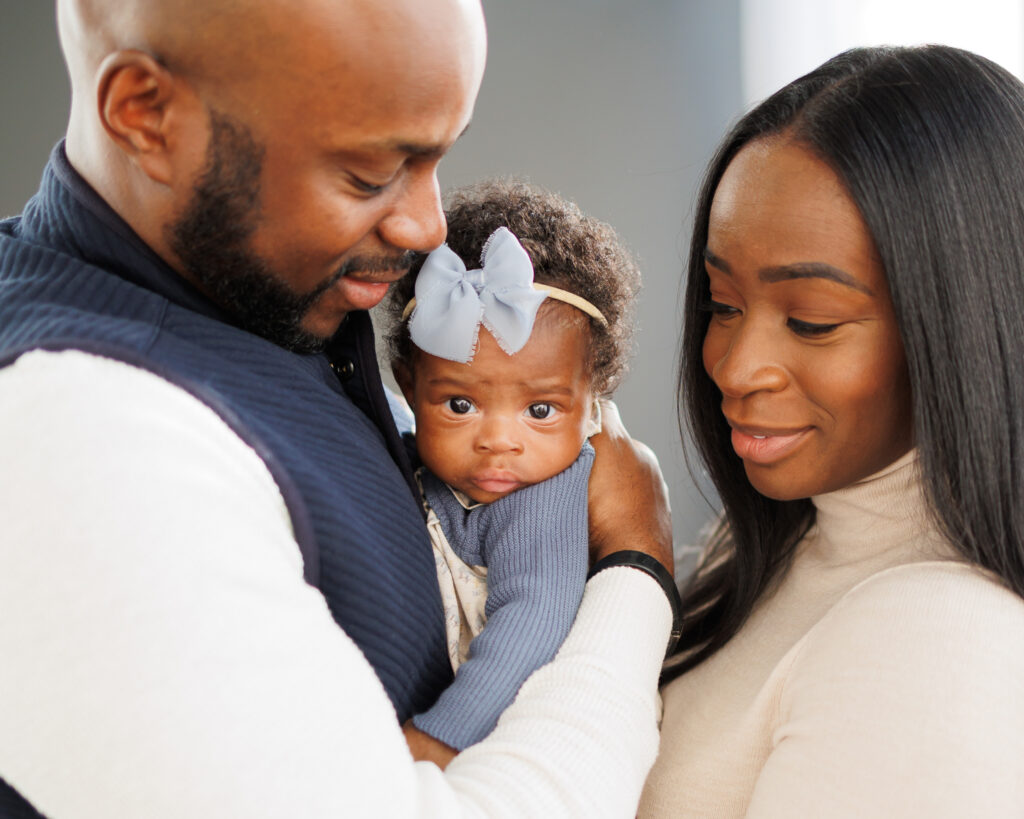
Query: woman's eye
(540, 411)
(718, 308)
(460, 406)
(809, 330)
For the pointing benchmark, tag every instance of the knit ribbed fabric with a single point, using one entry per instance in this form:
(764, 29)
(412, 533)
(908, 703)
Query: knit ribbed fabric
(881, 677)
(74, 276)
(534, 545)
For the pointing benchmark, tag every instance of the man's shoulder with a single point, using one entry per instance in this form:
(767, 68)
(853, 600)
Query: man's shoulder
(51, 383)
(112, 418)
(96, 396)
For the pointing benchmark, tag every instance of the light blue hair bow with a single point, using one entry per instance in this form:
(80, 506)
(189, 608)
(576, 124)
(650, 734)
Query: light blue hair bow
(451, 302)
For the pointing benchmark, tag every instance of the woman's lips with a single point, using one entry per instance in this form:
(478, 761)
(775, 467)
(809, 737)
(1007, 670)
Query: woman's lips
(763, 447)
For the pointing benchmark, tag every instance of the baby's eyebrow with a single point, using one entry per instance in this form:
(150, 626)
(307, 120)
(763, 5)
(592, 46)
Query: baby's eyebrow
(451, 383)
(535, 386)
(560, 388)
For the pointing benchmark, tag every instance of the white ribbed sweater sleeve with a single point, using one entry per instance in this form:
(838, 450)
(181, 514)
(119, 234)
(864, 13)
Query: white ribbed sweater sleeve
(162, 655)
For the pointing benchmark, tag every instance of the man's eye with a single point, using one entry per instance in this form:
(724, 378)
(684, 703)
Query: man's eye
(367, 187)
(541, 411)
(460, 406)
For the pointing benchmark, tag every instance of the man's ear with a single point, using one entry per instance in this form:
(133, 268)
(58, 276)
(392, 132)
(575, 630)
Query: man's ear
(134, 100)
(403, 377)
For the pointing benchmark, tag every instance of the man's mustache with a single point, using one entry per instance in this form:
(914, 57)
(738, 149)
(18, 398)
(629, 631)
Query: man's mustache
(362, 264)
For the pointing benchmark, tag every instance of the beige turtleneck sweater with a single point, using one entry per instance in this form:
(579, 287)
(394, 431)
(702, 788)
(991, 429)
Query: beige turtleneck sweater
(882, 678)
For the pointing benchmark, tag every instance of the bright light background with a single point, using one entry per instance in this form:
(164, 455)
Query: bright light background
(783, 39)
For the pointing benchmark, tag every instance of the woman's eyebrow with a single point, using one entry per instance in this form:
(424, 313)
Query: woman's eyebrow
(799, 270)
(714, 261)
(812, 270)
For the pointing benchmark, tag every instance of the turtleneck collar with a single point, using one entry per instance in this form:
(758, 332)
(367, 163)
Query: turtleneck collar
(887, 512)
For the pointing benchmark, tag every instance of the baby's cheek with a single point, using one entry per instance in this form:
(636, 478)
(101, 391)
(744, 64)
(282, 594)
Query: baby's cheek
(441, 452)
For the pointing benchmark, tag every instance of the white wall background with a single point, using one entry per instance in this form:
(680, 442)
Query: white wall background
(782, 39)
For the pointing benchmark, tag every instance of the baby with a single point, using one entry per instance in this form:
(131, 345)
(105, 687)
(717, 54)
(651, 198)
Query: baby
(502, 342)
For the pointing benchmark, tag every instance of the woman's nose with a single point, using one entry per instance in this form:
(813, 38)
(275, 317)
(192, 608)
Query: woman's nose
(745, 358)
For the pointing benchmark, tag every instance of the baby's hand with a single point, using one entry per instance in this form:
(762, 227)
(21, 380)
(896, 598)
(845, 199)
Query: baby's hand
(629, 506)
(427, 749)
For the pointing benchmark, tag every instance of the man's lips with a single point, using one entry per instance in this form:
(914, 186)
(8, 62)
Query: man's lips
(766, 445)
(389, 277)
(364, 292)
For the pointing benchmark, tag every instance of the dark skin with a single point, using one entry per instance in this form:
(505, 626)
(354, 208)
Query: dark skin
(803, 342)
(623, 467)
(353, 104)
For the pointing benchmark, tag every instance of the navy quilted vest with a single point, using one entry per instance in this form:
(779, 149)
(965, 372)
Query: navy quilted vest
(73, 275)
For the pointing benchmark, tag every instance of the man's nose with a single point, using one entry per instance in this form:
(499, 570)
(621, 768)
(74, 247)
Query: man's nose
(416, 221)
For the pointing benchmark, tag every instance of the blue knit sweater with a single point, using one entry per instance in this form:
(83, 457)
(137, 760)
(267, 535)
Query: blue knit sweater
(534, 545)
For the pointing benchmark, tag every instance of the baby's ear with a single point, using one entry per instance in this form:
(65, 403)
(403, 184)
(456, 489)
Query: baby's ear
(594, 422)
(403, 377)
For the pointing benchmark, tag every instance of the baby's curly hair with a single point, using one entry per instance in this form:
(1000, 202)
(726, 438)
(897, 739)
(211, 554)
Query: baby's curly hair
(569, 250)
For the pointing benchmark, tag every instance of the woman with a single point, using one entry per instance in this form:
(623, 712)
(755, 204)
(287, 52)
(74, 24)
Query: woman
(853, 374)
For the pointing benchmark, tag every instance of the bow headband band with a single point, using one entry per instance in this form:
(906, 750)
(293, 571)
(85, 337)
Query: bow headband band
(451, 302)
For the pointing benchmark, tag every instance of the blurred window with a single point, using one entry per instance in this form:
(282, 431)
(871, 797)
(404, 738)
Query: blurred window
(783, 39)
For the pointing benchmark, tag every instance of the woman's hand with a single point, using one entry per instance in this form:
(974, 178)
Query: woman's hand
(629, 507)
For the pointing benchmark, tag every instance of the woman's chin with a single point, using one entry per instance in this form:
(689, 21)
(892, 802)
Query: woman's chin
(777, 485)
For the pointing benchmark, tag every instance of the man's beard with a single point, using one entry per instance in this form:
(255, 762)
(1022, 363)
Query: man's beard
(211, 238)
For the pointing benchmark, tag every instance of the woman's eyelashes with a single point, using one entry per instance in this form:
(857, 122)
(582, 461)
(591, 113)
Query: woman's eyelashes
(807, 329)
(718, 308)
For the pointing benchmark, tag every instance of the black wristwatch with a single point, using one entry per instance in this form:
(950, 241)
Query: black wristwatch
(645, 563)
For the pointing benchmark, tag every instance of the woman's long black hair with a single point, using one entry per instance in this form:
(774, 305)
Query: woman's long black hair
(929, 143)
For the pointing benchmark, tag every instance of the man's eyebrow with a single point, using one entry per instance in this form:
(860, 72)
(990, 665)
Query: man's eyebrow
(800, 270)
(421, 149)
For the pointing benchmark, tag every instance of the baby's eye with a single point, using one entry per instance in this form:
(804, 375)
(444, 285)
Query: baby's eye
(460, 406)
(541, 410)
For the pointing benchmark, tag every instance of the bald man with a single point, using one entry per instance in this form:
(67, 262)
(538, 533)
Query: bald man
(202, 480)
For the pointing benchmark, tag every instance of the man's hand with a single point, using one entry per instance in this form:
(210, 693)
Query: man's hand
(629, 506)
(427, 749)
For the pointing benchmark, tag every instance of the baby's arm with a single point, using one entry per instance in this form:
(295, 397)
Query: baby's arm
(535, 545)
